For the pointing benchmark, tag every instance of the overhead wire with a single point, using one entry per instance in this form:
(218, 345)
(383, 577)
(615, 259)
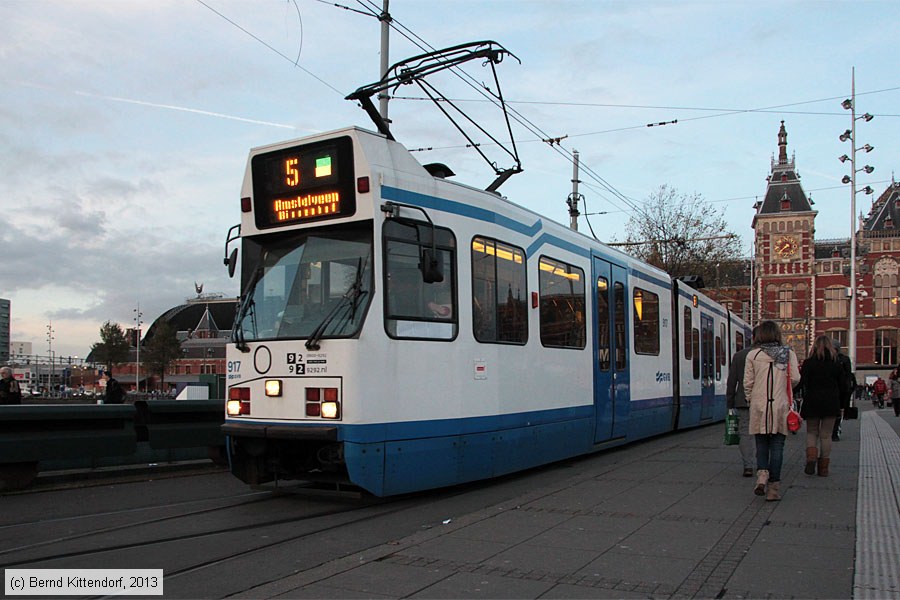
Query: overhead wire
(517, 116)
(273, 49)
(374, 11)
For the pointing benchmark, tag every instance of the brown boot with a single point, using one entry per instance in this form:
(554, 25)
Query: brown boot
(823, 467)
(762, 476)
(772, 494)
(812, 455)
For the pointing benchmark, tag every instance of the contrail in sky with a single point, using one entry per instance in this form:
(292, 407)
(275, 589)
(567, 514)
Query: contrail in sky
(157, 105)
(183, 109)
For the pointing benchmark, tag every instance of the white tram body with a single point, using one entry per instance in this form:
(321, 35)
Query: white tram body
(399, 331)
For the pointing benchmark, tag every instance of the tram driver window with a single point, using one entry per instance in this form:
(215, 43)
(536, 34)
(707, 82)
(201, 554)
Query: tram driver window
(414, 309)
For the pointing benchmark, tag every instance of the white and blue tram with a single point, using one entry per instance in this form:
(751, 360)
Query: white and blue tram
(399, 331)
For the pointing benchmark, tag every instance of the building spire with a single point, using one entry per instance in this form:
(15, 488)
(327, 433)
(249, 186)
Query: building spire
(782, 145)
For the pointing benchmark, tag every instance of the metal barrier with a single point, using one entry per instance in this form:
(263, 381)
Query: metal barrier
(180, 423)
(72, 436)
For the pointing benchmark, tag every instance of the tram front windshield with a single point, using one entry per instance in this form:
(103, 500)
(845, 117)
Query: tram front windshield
(305, 283)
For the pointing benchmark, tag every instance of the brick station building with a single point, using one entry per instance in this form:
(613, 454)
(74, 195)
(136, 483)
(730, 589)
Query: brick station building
(804, 283)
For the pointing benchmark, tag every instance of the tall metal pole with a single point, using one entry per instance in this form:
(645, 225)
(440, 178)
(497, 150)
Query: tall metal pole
(385, 19)
(751, 318)
(50, 353)
(853, 218)
(137, 344)
(573, 199)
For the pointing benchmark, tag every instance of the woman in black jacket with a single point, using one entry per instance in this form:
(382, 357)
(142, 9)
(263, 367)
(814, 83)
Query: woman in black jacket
(824, 384)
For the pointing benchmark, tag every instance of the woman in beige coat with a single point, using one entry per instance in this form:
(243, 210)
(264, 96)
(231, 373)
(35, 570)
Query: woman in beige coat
(766, 385)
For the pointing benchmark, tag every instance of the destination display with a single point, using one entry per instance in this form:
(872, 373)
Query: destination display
(305, 183)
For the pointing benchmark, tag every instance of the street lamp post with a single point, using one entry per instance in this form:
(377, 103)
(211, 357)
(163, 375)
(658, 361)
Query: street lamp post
(137, 344)
(50, 339)
(850, 134)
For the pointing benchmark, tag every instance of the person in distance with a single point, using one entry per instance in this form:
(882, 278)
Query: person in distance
(114, 392)
(769, 374)
(10, 392)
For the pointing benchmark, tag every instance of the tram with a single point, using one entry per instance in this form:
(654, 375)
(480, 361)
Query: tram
(399, 331)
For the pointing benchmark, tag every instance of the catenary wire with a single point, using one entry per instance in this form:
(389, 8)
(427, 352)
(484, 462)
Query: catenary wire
(275, 50)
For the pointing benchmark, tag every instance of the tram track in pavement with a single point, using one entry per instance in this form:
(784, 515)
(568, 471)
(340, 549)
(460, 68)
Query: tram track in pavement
(204, 539)
(209, 533)
(59, 521)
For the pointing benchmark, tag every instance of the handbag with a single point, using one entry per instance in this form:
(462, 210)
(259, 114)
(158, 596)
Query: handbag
(794, 420)
(732, 428)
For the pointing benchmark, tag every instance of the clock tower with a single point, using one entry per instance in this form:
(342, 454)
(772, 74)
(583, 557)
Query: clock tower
(784, 227)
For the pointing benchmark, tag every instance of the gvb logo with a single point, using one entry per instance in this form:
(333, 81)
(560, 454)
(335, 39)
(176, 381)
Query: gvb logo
(663, 377)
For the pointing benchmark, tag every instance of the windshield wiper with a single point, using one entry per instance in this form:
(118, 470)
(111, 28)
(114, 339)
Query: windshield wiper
(351, 296)
(247, 308)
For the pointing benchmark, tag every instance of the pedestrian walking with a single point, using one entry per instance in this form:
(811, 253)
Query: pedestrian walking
(735, 399)
(770, 372)
(825, 385)
(10, 392)
(880, 388)
(844, 361)
(895, 392)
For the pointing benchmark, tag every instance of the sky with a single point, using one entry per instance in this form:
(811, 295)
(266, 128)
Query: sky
(125, 126)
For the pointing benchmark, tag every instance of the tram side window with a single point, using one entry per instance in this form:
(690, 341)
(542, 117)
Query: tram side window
(562, 304)
(739, 341)
(646, 322)
(687, 333)
(619, 299)
(707, 352)
(499, 291)
(720, 355)
(603, 323)
(695, 344)
(414, 309)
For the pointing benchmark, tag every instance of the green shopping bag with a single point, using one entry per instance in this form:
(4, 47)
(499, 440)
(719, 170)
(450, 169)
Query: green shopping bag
(732, 429)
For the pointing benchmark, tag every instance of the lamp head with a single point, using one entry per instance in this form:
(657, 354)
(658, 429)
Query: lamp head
(844, 158)
(847, 104)
(868, 190)
(845, 179)
(868, 148)
(867, 117)
(845, 136)
(868, 168)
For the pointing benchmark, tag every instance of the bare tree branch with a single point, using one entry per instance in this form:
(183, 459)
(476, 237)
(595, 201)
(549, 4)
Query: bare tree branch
(681, 234)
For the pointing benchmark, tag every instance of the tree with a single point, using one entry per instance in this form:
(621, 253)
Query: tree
(112, 349)
(681, 234)
(162, 350)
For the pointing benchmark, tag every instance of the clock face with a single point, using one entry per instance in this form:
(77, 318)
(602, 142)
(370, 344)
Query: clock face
(786, 246)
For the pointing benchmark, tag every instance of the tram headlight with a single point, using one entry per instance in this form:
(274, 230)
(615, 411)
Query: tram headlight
(331, 407)
(330, 410)
(273, 387)
(323, 402)
(238, 402)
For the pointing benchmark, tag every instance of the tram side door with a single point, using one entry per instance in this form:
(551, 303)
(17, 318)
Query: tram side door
(610, 350)
(707, 373)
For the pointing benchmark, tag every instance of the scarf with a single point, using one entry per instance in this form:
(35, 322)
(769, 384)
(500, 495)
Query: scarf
(779, 354)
